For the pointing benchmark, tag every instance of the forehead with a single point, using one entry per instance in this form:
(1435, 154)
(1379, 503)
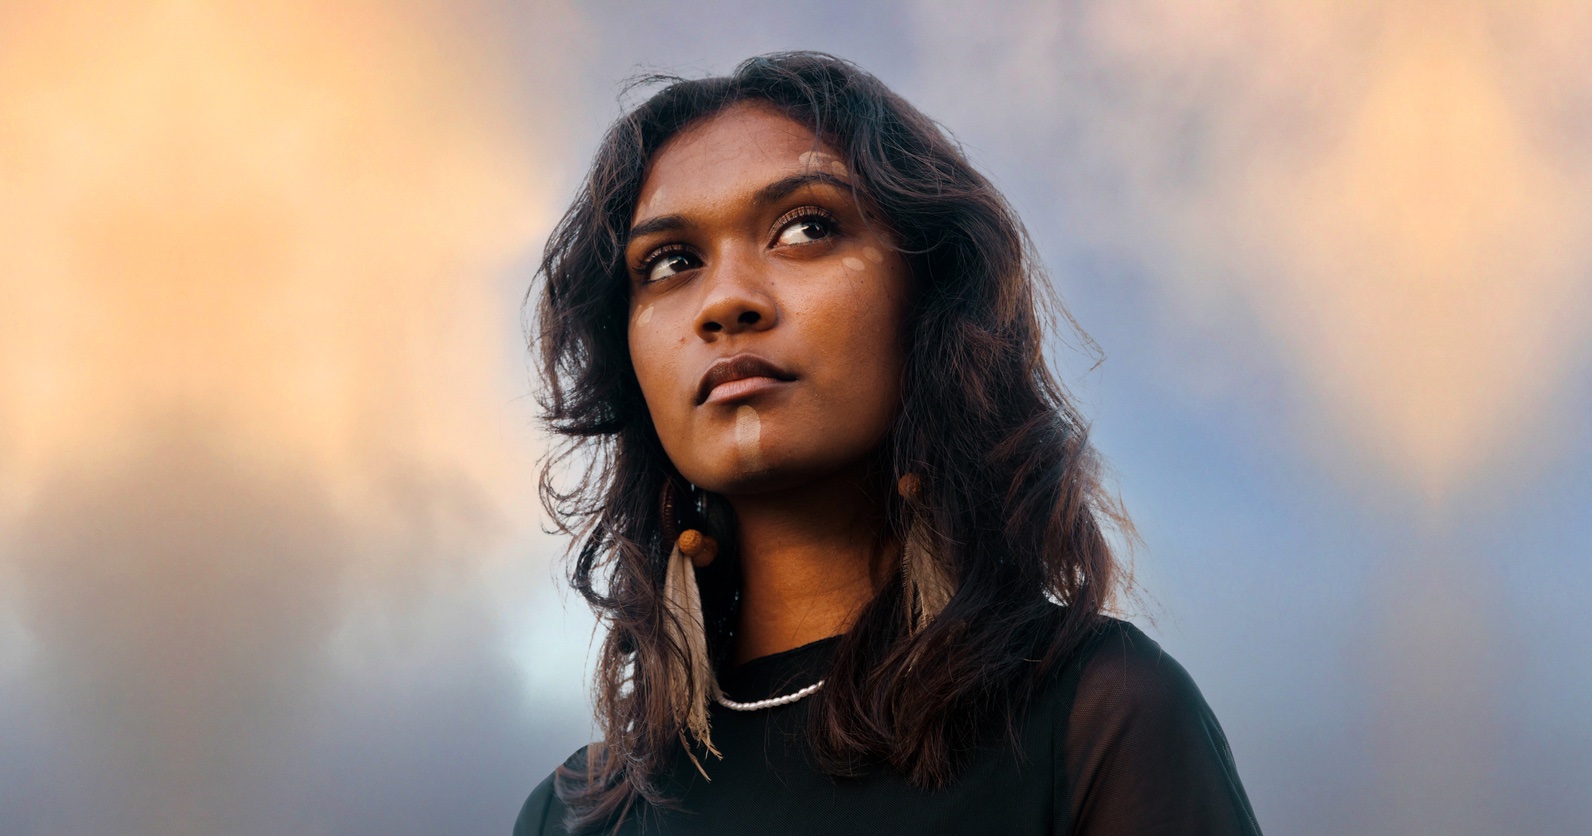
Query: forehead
(730, 154)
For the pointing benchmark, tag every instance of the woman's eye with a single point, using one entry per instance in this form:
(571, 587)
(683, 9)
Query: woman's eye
(804, 230)
(668, 265)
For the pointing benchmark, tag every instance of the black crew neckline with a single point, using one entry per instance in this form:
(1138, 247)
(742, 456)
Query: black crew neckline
(793, 651)
(777, 674)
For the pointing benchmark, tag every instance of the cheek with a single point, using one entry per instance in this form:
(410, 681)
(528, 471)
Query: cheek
(861, 323)
(651, 357)
(876, 301)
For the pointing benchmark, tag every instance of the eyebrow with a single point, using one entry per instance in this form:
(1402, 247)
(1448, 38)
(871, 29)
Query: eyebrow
(780, 189)
(773, 192)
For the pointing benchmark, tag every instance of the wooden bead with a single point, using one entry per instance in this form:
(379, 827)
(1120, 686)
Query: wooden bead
(698, 546)
(909, 486)
(704, 558)
(669, 524)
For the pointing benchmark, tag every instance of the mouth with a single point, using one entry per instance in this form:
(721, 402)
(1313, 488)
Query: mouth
(742, 374)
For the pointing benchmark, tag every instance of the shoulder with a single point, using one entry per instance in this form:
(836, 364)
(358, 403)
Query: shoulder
(1116, 668)
(1139, 748)
(542, 814)
(1118, 686)
(1130, 698)
(1125, 674)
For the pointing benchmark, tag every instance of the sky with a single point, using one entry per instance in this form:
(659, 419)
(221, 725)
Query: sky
(271, 559)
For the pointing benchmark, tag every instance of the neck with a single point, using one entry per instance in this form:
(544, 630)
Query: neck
(808, 559)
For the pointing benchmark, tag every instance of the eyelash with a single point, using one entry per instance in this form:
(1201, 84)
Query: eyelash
(801, 213)
(644, 267)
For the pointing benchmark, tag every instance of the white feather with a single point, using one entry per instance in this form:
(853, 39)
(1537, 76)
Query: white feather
(690, 690)
(928, 587)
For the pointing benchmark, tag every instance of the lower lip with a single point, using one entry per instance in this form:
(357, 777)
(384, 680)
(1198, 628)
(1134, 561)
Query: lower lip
(741, 388)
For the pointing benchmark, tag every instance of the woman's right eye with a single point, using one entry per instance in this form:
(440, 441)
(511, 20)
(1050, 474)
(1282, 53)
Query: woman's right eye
(669, 263)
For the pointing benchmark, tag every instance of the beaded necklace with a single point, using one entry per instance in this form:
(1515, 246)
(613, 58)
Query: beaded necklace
(771, 702)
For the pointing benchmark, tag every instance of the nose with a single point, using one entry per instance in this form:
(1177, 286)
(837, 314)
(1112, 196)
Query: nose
(736, 301)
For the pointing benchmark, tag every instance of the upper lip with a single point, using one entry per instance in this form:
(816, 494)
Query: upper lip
(739, 367)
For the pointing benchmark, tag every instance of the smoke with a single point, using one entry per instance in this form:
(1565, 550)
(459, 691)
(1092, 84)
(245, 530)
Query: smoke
(254, 409)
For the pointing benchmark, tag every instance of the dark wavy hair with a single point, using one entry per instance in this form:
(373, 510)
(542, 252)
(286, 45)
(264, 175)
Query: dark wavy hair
(1010, 485)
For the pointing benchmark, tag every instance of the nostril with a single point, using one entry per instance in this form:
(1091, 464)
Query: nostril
(749, 317)
(712, 327)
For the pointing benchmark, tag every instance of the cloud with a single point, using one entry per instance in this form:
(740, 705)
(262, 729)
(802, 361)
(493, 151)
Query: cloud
(1361, 181)
(257, 213)
(254, 408)
(1381, 204)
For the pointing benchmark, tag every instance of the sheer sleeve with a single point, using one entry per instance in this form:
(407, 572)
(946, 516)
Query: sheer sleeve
(542, 814)
(533, 814)
(1143, 755)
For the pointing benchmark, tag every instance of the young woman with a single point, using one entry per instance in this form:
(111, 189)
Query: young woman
(844, 528)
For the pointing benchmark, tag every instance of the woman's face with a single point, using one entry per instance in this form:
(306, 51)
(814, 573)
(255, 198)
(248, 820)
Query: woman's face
(766, 316)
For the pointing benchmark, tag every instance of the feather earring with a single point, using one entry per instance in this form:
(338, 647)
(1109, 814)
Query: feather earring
(692, 683)
(927, 586)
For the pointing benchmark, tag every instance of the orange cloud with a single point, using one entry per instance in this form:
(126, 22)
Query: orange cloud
(1425, 271)
(1365, 179)
(283, 217)
(256, 389)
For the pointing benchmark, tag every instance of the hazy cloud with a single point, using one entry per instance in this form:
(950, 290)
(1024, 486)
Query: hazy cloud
(267, 549)
(1362, 185)
(1381, 203)
(255, 411)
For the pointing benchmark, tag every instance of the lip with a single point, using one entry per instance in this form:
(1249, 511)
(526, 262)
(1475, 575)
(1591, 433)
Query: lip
(745, 367)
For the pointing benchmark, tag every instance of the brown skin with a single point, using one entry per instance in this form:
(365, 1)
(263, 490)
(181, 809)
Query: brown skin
(799, 279)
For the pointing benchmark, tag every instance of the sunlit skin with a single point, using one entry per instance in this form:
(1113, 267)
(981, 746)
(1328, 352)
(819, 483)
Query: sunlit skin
(747, 240)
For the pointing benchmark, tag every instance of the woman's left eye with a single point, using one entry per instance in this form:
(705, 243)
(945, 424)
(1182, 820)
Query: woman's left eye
(805, 230)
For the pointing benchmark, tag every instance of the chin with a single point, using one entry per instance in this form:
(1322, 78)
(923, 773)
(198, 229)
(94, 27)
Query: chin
(740, 480)
(781, 474)
(728, 473)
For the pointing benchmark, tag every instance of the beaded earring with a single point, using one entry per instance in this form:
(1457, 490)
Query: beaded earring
(927, 586)
(692, 683)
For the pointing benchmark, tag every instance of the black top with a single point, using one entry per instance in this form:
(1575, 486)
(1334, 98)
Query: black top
(1120, 742)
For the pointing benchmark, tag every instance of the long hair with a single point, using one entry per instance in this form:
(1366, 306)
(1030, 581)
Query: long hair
(1008, 485)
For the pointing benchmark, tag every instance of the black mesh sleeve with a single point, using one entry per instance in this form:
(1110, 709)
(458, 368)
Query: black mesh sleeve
(1143, 753)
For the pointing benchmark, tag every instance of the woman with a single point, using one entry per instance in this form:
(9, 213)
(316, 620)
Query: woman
(845, 530)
